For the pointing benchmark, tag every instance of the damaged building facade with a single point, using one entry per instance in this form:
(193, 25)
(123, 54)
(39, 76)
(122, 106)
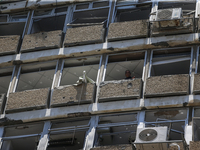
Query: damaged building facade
(45, 46)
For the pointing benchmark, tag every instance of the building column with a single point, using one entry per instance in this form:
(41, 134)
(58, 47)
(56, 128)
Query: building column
(44, 139)
(1, 135)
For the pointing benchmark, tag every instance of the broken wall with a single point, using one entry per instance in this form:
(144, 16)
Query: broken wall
(41, 40)
(121, 89)
(127, 30)
(9, 44)
(167, 85)
(26, 100)
(84, 35)
(70, 94)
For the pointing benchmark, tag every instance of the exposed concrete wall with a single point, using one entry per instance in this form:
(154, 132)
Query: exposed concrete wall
(122, 89)
(194, 145)
(26, 100)
(127, 30)
(114, 147)
(84, 35)
(9, 44)
(196, 89)
(172, 27)
(41, 40)
(66, 95)
(167, 85)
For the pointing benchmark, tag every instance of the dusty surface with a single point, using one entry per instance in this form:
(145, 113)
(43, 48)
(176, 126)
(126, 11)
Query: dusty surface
(73, 94)
(114, 147)
(84, 35)
(41, 40)
(122, 89)
(30, 99)
(9, 44)
(167, 85)
(129, 29)
(194, 145)
(196, 89)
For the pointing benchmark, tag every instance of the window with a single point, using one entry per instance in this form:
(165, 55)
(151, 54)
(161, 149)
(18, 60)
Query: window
(118, 64)
(174, 119)
(73, 69)
(36, 76)
(68, 134)
(5, 79)
(169, 62)
(22, 137)
(116, 129)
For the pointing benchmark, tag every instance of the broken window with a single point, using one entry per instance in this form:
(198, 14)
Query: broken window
(10, 22)
(174, 119)
(115, 129)
(45, 20)
(73, 69)
(93, 13)
(119, 63)
(5, 79)
(68, 134)
(23, 137)
(36, 76)
(127, 11)
(170, 62)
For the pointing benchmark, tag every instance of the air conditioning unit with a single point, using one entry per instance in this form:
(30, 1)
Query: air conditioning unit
(151, 138)
(168, 14)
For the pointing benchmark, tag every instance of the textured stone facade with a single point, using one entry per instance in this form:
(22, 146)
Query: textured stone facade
(196, 89)
(41, 40)
(127, 30)
(122, 89)
(66, 95)
(26, 100)
(194, 145)
(167, 85)
(114, 147)
(9, 44)
(84, 35)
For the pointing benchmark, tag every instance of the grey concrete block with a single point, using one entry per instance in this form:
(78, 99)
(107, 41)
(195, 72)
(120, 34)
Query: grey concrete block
(121, 89)
(167, 85)
(70, 94)
(196, 88)
(41, 40)
(127, 30)
(84, 35)
(9, 44)
(171, 27)
(27, 100)
(114, 147)
(2, 102)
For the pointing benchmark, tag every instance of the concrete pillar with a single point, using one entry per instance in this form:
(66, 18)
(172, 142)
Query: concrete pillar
(141, 119)
(44, 139)
(1, 135)
(90, 135)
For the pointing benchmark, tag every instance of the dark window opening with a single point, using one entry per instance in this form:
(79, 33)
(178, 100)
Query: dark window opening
(5, 78)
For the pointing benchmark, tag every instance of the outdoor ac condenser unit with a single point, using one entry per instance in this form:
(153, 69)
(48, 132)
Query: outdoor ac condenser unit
(168, 14)
(151, 138)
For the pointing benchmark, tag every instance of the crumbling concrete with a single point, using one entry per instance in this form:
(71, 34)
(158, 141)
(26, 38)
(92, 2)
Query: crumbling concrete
(114, 147)
(171, 27)
(2, 102)
(196, 89)
(127, 30)
(9, 44)
(194, 145)
(70, 94)
(27, 100)
(167, 85)
(122, 89)
(84, 35)
(41, 40)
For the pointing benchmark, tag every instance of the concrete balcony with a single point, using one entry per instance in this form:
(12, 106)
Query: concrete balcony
(171, 27)
(196, 89)
(9, 44)
(41, 40)
(118, 90)
(114, 147)
(27, 100)
(84, 35)
(194, 145)
(167, 85)
(128, 30)
(70, 94)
